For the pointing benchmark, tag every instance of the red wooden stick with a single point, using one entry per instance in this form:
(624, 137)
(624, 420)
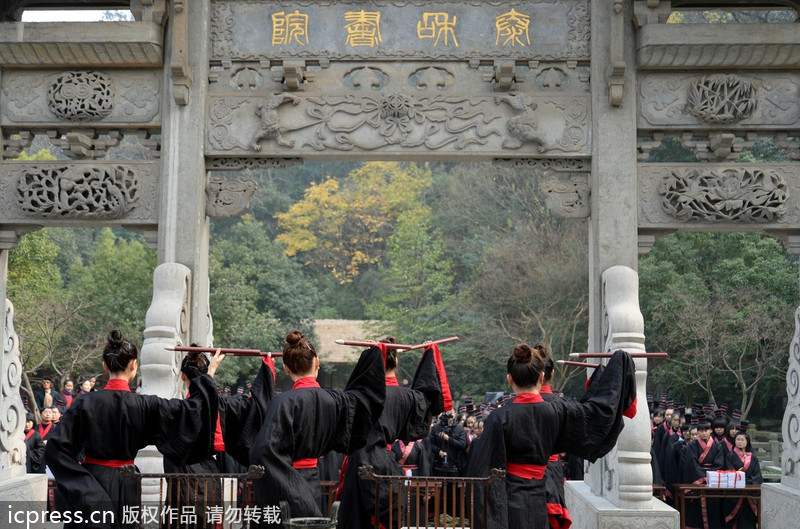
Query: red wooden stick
(579, 364)
(608, 355)
(225, 350)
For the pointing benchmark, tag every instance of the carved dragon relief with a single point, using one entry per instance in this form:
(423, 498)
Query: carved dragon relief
(393, 120)
(228, 197)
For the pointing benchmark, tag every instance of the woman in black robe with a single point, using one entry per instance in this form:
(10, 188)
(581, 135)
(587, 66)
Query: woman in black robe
(741, 513)
(521, 436)
(307, 421)
(700, 456)
(557, 512)
(406, 416)
(109, 427)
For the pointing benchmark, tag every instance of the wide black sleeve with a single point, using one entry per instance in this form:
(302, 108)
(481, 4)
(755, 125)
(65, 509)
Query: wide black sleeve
(185, 427)
(590, 428)
(487, 452)
(79, 488)
(364, 394)
(753, 475)
(242, 417)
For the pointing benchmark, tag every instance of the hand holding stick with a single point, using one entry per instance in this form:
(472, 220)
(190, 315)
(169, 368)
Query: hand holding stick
(225, 351)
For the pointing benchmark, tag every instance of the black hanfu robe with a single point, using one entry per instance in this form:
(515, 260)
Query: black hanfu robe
(521, 436)
(414, 456)
(34, 452)
(672, 466)
(557, 513)
(741, 513)
(110, 427)
(698, 458)
(240, 418)
(307, 422)
(406, 416)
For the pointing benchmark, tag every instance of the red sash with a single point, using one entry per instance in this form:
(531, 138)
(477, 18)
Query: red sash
(310, 462)
(113, 463)
(526, 471)
(42, 433)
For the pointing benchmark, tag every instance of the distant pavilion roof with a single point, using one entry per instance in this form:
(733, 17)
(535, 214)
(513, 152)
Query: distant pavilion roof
(328, 331)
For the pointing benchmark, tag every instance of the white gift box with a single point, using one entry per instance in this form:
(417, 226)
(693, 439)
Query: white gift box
(713, 479)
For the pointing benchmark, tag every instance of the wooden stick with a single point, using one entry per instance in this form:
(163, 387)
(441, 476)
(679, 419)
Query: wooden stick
(608, 355)
(225, 350)
(370, 343)
(579, 364)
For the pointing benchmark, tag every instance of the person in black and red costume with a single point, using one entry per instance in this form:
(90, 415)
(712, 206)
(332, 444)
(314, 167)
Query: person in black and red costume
(112, 425)
(521, 436)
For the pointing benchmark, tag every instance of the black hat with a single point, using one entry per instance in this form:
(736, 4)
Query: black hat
(743, 425)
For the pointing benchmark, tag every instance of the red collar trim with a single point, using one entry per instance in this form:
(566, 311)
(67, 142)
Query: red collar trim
(546, 389)
(44, 432)
(528, 398)
(29, 433)
(305, 382)
(117, 384)
(391, 381)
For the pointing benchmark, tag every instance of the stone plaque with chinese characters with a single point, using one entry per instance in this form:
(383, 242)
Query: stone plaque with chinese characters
(264, 30)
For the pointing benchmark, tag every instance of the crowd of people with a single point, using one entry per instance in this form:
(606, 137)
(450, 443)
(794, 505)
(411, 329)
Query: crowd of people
(687, 445)
(303, 434)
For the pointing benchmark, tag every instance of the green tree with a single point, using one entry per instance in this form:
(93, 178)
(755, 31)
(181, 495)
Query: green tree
(722, 305)
(257, 295)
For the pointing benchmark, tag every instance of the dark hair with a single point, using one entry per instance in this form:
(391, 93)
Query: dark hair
(525, 367)
(118, 352)
(298, 353)
(194, 364)
(703, 425)
(685, 427)
(29, 417)
(749, 447)
(391, 353)
(549, 365)
(720, 422)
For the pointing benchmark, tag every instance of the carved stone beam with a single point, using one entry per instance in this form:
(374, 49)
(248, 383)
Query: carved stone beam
(228, 197)
(618, 68)
(293, 74)
(651, 12)
(179, 62)
(149, 10)
(648, 238)
(790, 239)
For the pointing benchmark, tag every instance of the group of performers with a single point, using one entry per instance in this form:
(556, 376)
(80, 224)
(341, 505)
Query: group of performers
(287, 433)
(685, 447)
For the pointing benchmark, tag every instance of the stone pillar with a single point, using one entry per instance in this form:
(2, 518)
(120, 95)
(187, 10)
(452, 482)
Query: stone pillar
(781, 501)
(179, 312)
(20, 491)
(618, 489)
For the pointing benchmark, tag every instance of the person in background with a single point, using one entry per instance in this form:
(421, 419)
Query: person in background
(34, 447)
(741, 513)
(703, 455)
(48, 396)
(45, 428)
(69, 385)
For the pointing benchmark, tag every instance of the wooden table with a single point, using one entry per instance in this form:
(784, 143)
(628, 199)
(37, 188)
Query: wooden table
(684, 492)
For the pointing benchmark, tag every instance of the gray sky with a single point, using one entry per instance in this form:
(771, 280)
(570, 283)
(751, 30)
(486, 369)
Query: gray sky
(87, 15)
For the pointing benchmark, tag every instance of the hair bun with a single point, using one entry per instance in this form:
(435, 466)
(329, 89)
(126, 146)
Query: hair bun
(115, 338)
(523, 353)
(294, 337)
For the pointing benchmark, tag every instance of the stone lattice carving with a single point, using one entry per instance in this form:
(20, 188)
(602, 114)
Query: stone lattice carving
(228, 197)
(231, 163)
(247, 79)
(566, 195)
(221, 131)
(271, 122)
(366, 78)
(81, 96)
(431, 78)
(790, 457)
(88, 192)
(721, 98)
(524, 127)
(576, 113)
(733, 194)
(12, 412)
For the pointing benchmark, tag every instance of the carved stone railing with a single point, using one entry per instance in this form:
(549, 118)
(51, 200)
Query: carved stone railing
(627, 479)
(12, 412)
(790, 458)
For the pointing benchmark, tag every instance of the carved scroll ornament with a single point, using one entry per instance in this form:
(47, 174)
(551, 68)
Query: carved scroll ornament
(721, 98)
(567, 196)
(228, 197)
(88, 192)
(733, 194)
(81, 96)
